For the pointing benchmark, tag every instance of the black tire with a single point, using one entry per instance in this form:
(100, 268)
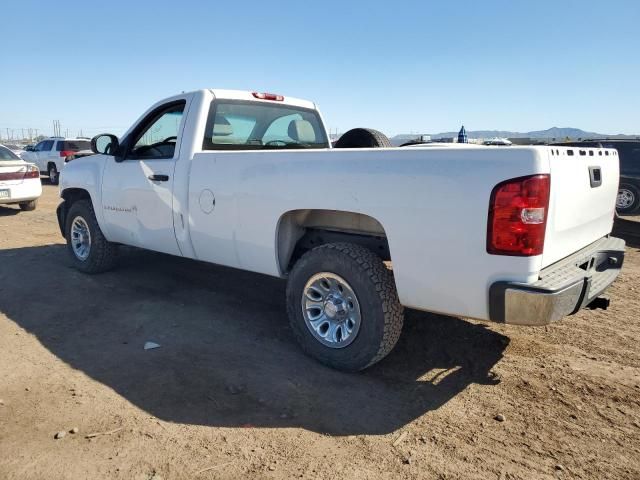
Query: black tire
(102, 253)
(363, 138)
(54, 175)
(382, 315)
(28, 206)
(631, 199)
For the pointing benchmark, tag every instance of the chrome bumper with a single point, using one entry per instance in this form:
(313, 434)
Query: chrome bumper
(562, 289)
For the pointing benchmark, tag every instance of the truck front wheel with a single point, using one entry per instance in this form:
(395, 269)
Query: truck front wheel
(89, 250)
(343, 306)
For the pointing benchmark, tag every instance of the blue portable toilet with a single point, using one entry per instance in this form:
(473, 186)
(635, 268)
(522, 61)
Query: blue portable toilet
(462, 136)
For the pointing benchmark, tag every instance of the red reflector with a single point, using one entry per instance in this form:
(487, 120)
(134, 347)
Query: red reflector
(268, 96)
(518, 216)
(66, 153)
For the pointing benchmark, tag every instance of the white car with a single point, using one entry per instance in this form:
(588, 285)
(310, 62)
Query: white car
(516, 235)
(19, 181)
(50, 154)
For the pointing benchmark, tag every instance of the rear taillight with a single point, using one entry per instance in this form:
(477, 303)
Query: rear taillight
(32, 172)
(518, 216)
(66, 153)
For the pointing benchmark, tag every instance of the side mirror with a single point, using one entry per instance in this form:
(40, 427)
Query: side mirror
(106, 144)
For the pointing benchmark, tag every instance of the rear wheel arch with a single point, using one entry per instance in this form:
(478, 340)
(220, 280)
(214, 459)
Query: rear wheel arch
(302, 230)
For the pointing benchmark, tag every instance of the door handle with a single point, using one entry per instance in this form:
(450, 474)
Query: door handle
(158, 178)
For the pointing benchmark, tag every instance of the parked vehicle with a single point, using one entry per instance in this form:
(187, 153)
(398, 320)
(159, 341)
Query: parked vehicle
(50, 154)
(518, 235)
(17, 149)
(19, 181)
(504, 142)
(628, 201)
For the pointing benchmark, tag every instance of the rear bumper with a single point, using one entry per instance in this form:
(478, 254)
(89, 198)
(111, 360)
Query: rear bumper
(22, 192)
(563, 288)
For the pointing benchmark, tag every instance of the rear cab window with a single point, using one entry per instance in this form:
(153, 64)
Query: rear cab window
(247, 125)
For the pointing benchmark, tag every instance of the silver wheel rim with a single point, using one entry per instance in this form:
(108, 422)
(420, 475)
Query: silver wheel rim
(331, 310)
(625, 198)
(53, 174)
(80, 238)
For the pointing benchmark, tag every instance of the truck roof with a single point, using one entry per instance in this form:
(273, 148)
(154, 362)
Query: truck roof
(249, 96)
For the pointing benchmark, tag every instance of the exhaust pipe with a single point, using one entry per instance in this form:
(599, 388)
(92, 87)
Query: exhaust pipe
(600, 302)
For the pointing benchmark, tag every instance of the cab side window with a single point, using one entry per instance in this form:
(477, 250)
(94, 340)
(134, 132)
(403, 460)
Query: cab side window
(46, 145)
(157, 135)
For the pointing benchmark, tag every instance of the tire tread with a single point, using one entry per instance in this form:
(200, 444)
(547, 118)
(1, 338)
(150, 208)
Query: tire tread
(103, 255)
(382, 279)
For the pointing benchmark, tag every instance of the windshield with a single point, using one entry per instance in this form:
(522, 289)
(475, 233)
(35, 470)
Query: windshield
(241, 125)
(73, 145)
(6, 154)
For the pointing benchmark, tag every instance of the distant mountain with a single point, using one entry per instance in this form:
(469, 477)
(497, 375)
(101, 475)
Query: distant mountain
(551, 133)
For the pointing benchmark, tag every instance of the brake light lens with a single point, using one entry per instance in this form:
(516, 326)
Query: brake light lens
(268, 96)
(518, 216)
(66, 153)
(32, 172)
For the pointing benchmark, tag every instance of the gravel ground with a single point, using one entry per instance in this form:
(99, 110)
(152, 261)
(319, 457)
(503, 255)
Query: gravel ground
(228, 394)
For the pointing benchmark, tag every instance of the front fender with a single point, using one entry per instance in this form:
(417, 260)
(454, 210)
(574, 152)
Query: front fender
(84, 174)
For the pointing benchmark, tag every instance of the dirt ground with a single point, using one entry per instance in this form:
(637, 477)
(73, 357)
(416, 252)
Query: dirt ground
(229, 394)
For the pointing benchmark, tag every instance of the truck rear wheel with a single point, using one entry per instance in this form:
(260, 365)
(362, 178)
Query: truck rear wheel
(343, 306)
(363, 138)
(90, 252)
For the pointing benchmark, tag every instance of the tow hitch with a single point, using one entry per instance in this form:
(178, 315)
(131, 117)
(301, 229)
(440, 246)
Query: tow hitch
(600, 302)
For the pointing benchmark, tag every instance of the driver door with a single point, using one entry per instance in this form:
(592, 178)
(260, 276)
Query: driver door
(137, 192)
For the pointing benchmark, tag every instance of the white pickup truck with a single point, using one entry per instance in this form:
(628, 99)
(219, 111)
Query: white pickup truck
(519, 235)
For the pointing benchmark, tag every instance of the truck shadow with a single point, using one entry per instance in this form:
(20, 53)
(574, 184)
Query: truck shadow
(227, 358)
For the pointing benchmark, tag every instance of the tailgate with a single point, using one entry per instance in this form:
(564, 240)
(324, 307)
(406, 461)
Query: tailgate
(584, 187)
(12, 173)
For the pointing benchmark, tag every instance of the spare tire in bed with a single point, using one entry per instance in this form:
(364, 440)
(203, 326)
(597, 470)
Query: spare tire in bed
(363, 138)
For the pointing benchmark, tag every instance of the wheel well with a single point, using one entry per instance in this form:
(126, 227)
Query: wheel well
(52, 164)
(301, 230)
(72, 195)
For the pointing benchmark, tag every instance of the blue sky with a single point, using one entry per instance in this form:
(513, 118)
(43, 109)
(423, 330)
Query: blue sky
(404, 66)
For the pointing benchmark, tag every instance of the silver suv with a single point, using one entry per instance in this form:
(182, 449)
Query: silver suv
(50, 154)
